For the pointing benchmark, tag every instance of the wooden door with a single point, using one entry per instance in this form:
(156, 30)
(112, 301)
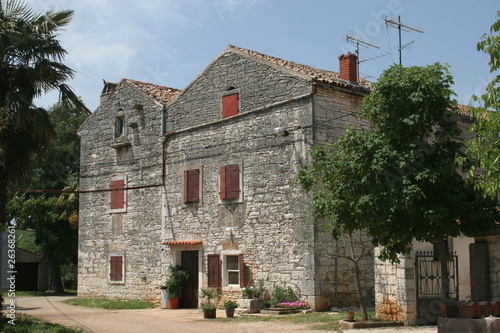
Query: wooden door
(189, 262)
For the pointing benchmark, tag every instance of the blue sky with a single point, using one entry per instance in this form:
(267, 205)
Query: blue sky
(170, 42)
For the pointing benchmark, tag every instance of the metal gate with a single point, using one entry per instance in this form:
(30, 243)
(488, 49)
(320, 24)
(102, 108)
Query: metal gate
(429, 286)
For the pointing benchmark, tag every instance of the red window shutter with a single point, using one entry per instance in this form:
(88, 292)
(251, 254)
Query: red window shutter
(186, 186)
(229, 105)
(116, 271)
(117, 197)
(232, 181)
(223, 182)
(213, 270)
(192, 186)
(229, 181)
(242, 270)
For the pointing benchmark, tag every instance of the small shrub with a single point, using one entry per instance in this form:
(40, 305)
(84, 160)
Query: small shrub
(282, 295)
(230, 305)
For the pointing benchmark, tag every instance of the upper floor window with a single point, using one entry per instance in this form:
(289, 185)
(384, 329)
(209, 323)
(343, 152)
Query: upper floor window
(119, 126)
(118, 195)
(191, 185)
(230, 105)
(229, 181)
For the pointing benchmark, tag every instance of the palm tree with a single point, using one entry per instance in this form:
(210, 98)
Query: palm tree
(30, 65)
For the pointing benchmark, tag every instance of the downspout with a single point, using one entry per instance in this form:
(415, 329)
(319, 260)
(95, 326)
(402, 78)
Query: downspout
(163, 142)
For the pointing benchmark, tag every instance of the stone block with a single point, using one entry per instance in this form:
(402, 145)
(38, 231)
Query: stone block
(250, 305)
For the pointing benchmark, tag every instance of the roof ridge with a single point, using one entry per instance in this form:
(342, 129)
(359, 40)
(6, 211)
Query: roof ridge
(149, 83)
(162, 94)
(322, 75)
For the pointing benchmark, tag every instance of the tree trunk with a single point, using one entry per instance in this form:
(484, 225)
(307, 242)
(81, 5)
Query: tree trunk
(361, 298)
(55, 282)
(357, 278)
(445, 280)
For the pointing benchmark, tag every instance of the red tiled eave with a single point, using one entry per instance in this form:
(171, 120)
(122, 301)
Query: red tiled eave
(161, 93)
(183, 243)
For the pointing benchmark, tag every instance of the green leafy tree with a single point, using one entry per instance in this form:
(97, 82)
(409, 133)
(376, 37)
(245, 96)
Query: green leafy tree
(399, 181)
(30, 65)
(484, 148)
(54, 217)
(58, 241)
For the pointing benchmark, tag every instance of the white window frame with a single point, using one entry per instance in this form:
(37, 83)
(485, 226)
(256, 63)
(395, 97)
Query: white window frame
(225, 276)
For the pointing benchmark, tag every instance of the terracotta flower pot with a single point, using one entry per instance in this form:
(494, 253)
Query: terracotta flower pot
(173, 303)
(230, 313)
(209, 313)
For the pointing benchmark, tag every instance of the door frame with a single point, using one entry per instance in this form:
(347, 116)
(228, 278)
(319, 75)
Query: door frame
(176, 252)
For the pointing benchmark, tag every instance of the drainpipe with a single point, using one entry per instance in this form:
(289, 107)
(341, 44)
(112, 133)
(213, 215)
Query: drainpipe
(163, 139)
(336, 283)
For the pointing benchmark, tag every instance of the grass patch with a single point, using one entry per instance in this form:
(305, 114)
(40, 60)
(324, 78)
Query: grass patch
(313, 320)
(42, 293)
(28, 324)
(109, 304)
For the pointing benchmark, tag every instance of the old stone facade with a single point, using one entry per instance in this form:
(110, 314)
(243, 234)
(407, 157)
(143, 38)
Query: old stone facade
(121, 141)
(209, 174)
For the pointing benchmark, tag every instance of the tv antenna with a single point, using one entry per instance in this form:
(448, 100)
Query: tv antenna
(399, 26)
(359, 42)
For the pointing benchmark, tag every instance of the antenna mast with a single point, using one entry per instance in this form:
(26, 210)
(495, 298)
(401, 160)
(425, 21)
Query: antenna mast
(399, 25)
(359, 42)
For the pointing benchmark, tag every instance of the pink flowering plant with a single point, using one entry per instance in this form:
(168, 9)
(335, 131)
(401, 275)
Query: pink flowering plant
(292, 305)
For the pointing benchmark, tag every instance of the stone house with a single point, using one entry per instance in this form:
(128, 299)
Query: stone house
(204, 178)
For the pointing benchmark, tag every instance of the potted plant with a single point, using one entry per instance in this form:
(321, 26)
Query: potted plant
(209, 310)
(230, 306)
(173, 285)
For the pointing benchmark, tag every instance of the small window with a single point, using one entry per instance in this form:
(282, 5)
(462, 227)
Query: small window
(229, 181)
(191, 185)
(230, 105)
(233, 270)
(116, 265)
(119, 127)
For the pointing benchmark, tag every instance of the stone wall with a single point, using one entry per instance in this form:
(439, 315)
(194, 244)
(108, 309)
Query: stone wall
(494, 263)
(395, 297)
(334, 111)
(136, 232)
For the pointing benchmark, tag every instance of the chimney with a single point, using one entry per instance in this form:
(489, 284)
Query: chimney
(108, 90)
(348, 67)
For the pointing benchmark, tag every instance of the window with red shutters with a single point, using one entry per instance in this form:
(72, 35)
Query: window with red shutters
(117, 197)
(229, 105)
(116, 268)
(213, 270)
(229, 181)
(191, 186)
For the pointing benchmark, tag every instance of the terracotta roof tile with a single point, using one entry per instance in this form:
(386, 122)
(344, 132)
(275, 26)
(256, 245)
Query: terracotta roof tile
(463, 110)
(317, 74)
(183, 242)
(160, 93)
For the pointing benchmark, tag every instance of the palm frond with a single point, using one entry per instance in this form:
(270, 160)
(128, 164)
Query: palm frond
(69, 99)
